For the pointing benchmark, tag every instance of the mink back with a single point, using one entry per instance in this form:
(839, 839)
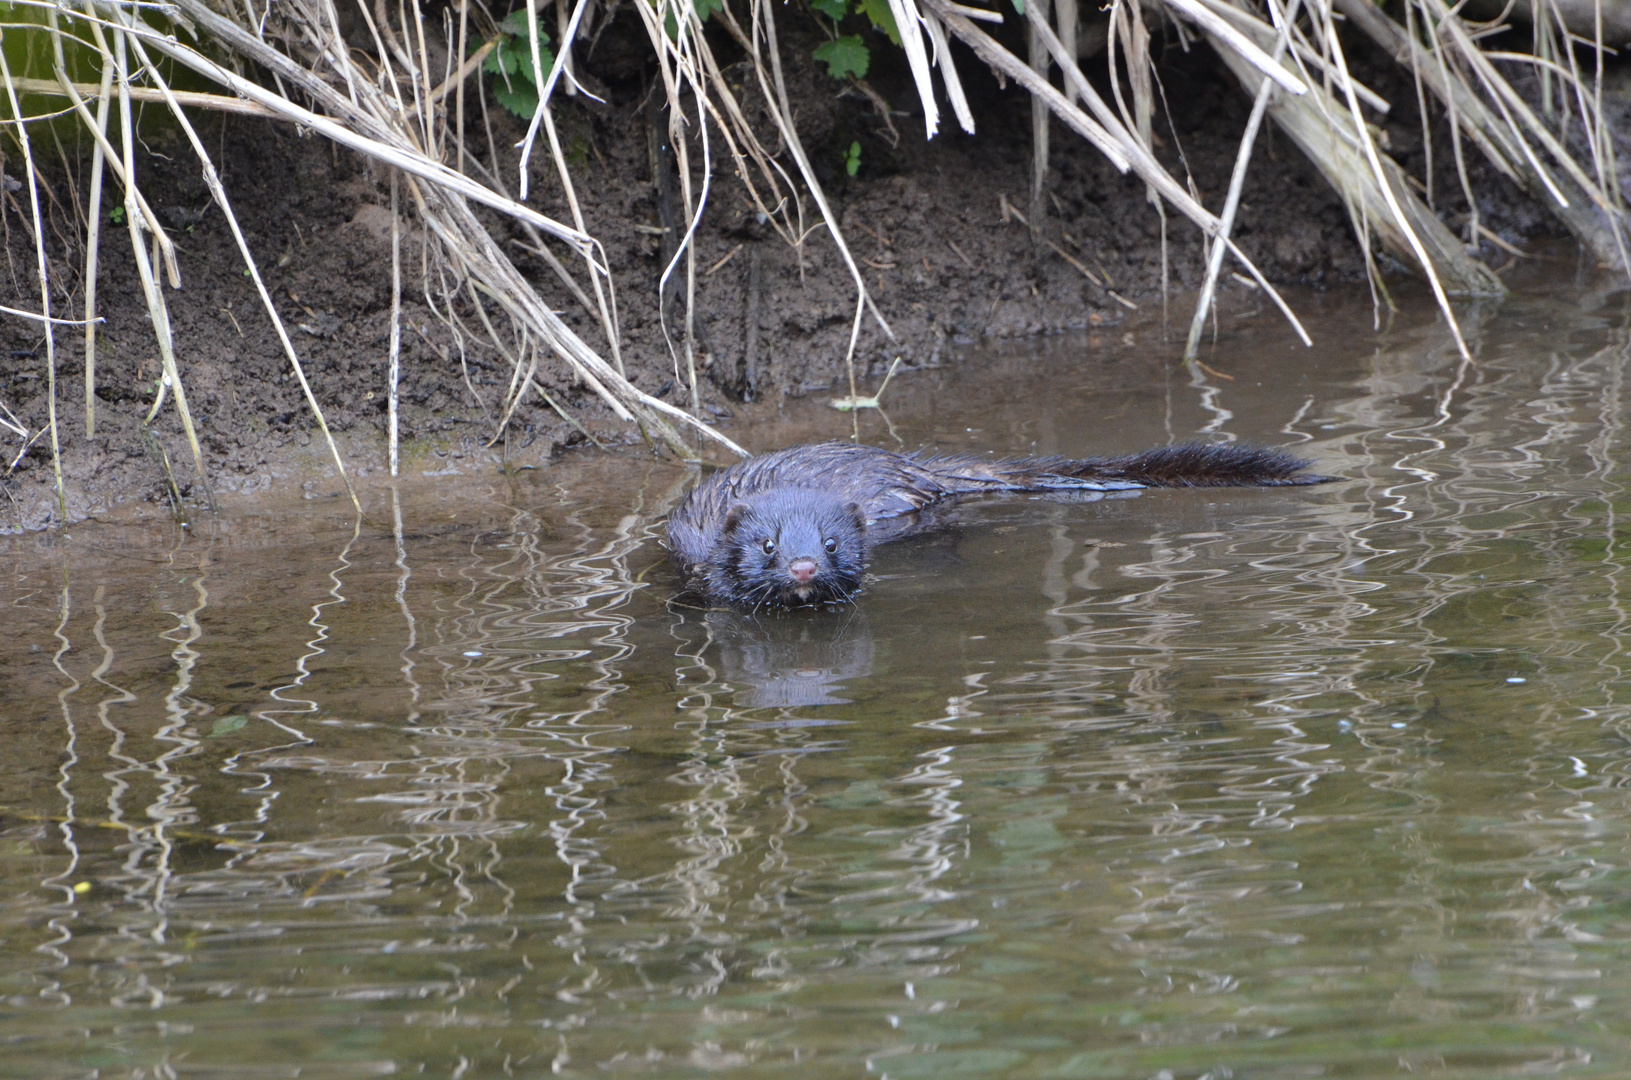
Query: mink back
(815, 503)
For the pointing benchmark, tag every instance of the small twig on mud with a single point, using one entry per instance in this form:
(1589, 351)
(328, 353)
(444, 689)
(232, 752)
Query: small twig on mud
(11, 421)
(959, 253)
(750, 344)
(849, 404)
(1510, 249)
(178, 509)
(729, 255)
(880, 106)
(876, 234)
(1072, 260)
(22, 453)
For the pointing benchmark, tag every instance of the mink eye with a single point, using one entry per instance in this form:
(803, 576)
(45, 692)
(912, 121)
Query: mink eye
(831, 544)
(770, 547)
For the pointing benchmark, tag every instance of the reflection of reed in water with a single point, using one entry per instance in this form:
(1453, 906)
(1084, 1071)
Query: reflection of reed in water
(133, 785)
(1430, 679)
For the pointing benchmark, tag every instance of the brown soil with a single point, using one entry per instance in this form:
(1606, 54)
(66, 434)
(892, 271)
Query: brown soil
(927, 218)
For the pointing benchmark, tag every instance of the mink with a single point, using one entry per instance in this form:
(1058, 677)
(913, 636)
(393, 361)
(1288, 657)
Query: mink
(795, 527)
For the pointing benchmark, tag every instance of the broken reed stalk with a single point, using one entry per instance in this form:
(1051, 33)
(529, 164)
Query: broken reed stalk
(93, 225)
(1103, 129)
(218, 192)
(1336, 138)
(764, 25)
(1591, 211)
(395, 374)
(157, 309)
(1037, 54)
(1237, 182)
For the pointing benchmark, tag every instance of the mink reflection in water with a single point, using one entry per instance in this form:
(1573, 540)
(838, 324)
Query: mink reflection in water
(795, 527)
(791, 662)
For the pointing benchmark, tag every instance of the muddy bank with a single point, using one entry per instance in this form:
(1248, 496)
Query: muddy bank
(948, 261)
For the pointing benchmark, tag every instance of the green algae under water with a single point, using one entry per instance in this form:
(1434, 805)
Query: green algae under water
(1320, 782)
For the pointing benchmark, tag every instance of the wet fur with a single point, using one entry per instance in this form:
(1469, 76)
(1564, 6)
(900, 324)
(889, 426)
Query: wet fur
(803, 496)
(798, 523)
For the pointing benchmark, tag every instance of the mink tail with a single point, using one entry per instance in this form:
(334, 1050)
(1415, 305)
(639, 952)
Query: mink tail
(1199, 465)
(1188, 465)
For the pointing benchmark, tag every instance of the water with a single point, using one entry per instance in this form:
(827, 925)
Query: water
(1321, 782)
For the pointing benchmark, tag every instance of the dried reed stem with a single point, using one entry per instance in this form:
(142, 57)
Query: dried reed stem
(395, 375)
(37, 223)
(1237, 182)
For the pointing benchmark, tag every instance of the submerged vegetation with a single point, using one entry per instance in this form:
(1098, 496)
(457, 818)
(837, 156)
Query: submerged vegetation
(407, 86)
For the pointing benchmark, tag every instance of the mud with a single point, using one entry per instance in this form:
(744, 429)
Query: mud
(948, 262)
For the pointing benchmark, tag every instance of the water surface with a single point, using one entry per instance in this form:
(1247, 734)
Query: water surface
(1314, 782)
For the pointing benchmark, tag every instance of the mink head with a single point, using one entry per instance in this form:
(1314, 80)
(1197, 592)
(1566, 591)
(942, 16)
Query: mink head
(790, 547)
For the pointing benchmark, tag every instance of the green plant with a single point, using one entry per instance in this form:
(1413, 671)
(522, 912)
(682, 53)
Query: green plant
(844, 57)
(852, 158)
(511, 63)
(848, 55)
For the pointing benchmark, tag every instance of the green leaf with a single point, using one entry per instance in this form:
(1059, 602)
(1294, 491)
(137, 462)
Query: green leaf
(833, 9)
(511, 65)
(845, 57)
(519, 98)
(852, 159)
(226, 725)
(513, 53)
(884, 19)
(707, 8)
(503, 60)
(1019, 6)
(515, 25)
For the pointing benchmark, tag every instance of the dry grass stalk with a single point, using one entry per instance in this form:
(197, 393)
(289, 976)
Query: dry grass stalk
(380, 123)
(1103, 129)
(394, 377)
(157, 309)
(1237, 182)
(93, 234)
(1590, 207)
(1336, 138)
(1037, 54)
(36, 222)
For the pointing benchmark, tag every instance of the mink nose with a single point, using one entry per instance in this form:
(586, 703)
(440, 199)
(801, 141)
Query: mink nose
(802, 570)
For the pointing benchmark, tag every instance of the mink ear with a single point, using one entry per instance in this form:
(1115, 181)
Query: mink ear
(734, 518)
(854, 511)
